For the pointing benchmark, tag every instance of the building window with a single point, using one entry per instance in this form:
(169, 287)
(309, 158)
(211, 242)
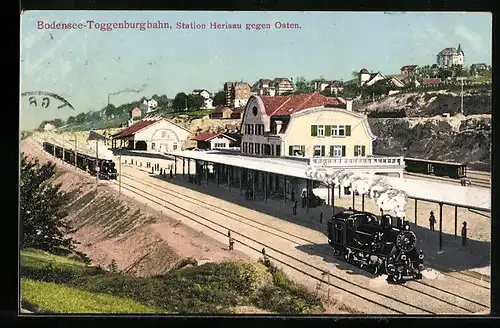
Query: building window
(257, 148)
(245, 145)
(250, 150)
(359, 150)
(321, 130)
(220, 145)
(163, 134)
(278, 150)
(319, 151)
(296, 150)
(175, 146)
(271, 148)
(250, 128)
(153, 145)
(341, 130)
(336, 151)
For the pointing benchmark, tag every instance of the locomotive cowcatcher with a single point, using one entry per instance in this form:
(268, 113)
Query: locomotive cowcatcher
(379, 246)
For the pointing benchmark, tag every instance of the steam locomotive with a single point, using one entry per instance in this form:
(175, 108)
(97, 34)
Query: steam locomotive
(103, 168)
(385, 246)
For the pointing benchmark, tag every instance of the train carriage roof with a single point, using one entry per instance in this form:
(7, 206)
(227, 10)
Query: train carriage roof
(425, 161)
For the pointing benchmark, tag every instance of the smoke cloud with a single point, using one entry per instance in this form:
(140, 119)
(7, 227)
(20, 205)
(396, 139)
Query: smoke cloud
(128, 90)
(386, 197)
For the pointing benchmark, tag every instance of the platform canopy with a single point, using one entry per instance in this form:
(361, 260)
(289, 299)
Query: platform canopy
(447, 194)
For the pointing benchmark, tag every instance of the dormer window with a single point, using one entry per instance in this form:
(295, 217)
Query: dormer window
(254, 110)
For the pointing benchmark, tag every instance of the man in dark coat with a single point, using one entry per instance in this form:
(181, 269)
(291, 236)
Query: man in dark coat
(295, 207)
(464, 234)
(432, 221)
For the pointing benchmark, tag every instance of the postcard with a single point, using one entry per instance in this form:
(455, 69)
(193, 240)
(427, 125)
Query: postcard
(255, 163)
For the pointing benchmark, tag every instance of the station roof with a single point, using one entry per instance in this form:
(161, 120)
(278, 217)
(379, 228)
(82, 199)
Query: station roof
(447, 194)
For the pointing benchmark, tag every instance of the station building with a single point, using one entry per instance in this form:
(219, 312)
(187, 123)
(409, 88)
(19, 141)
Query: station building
(155, 134)
(299, 131)
(307, 125)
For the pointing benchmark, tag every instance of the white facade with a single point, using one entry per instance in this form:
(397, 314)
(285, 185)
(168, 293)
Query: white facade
(205, 94)
(163, 136)
(208, 103)
(48, 127)
(240, 102)
(219, 143)
(450, 56)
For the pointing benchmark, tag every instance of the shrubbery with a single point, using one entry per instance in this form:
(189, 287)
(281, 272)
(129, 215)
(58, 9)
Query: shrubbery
(209, 288)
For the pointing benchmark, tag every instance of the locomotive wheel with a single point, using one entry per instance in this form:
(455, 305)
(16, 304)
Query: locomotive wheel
(397, 278)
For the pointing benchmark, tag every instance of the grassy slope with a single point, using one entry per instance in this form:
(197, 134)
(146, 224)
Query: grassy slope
(47, 297)
(70, 285)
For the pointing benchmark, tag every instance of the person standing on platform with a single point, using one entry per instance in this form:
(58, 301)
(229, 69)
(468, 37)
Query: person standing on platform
(293, 196)
(464, 234)
(303, 195)
(432, 221)
(321, 217)
(295, 207)
(171, 175)
(161, 171)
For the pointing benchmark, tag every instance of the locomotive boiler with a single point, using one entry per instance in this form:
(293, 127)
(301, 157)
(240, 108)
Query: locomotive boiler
(379, 246)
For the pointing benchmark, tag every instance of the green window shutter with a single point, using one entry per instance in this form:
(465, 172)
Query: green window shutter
(363, 150)
(303, 149)
(355, 150)
(348, 130)
(331, 151)
(322, 150)
(328, 131)
(343, 150)
(290, 150)
(314, 130)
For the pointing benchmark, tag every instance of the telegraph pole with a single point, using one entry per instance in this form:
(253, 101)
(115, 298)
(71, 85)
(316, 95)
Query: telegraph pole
(461, 95)
(120, 177)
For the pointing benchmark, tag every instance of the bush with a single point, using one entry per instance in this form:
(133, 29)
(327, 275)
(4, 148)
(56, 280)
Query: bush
(209, 288)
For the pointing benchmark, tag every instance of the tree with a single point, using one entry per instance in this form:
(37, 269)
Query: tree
(58, 123)
(194, 102)
(350, 90)
(71, 120)
(179, 103)
(444, 73)
(162, 101)
(41, 207)
(110, 109)
(219, 98)
(354, 74)
(80, 118)
(303, 86)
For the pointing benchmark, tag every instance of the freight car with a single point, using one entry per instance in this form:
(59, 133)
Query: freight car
(104, 168)
(379, 246)
(438, 168)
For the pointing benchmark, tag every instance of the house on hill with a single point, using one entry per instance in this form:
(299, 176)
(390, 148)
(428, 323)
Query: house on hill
(237, 113)
(222, 112)
(207, 101)
(135, 113)
(449, 57)
(237, 93)
(48, 126)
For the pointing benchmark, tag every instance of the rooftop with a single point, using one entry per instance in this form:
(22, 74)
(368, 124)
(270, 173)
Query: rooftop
(471, 197)
(287, 105)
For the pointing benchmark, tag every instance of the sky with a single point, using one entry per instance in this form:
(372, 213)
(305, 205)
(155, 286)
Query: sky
(85, 65)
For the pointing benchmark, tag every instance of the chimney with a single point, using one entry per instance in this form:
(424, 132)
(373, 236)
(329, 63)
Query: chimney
(348, 104)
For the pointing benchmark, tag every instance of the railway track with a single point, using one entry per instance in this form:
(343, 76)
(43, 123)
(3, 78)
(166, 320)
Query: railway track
(430, 291)
(383, 300)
